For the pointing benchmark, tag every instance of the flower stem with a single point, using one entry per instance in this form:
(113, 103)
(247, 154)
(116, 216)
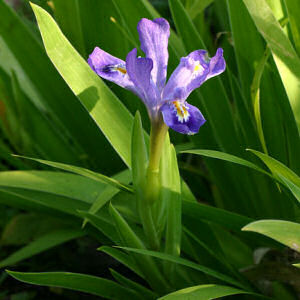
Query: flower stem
(157, 138)
(152, 187)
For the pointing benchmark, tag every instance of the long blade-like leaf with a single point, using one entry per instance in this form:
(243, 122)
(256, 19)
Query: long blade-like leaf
(203, 292)
(286, 58)
(41, 244)
(101, 103)
(79, 282)
(285, 232)
(186, 263)
(84, 172)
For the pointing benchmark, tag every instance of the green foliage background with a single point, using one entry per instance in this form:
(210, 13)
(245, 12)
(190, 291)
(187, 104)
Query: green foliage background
(55, 109)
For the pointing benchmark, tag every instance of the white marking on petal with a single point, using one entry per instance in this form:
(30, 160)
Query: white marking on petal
(181, 111)
(198, 69)
(116, 68)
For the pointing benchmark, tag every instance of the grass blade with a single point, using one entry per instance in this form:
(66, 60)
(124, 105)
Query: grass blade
(227, 157)
(84, 172)
(41, 244)
(203, 292)
(96, 97)
(285, 232)
(285, 56)
(187, 263)
(293, 9)
(79, 282)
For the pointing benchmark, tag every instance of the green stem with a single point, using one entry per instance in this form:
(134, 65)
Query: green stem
(152, 188)
(157, 138)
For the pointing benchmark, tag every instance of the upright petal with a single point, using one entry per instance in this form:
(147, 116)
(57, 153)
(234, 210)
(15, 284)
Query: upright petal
(192, 71)
(110, 68)
(182, 117)
(139, 71)
(154, 37)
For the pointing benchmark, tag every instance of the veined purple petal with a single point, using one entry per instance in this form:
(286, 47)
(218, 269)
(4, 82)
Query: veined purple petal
(182, 117)
(192, 71)
(217, 64)
(154, 37)
(110, 68)
(139, 71)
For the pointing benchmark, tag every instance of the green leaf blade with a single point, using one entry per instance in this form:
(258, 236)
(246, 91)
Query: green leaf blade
(285, 232)
(203, 292)
(96, 97)
(78, 282)
(41, 244)
(187, 263)
(83, 172)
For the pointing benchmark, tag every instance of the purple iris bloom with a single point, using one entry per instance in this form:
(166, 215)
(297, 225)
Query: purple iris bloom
(146, 76)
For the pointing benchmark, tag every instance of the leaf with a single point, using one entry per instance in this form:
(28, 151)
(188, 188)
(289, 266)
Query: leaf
(83, 172)
(56, 183)
(237, 252)
(141, 290)
(79, 282)
(255, 95)
(105, 226)
(95, 96)
(130, 239)
(68, 16)
(28, 116)
(275, 109)
(24, 228)
(187, 263)
(197, 7)
(51, 96)
(42, 202)
(108, 193)
(41, 244)
(203, 292)
(227, 157)
(285, 56)
(296, 265)
(123, 258)
(277, 168)
(171, 189)
(219, 216)
(291, 186)
(139, 158)
(293, 9)
(285, 232)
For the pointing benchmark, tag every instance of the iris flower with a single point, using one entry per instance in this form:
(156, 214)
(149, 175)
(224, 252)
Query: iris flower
(146, 76)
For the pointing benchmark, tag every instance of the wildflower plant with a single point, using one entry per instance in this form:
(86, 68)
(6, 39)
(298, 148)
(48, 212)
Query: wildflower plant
(146, 216)
(165, 102)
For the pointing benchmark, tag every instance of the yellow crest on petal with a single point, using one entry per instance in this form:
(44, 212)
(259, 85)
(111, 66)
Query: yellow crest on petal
(181, 111)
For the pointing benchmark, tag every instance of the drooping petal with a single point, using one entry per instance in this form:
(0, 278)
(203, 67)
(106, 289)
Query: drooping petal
(217, 64)
(110, 68)
(154, 37)
(192, 71)
(139, 71)
(182, 117)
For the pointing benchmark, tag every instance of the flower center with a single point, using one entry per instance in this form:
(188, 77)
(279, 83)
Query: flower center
(181, 111)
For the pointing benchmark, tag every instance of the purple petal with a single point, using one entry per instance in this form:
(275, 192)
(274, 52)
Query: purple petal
(192, 71)
(217, 64)
(139, 71)
(154, 37)
(110, 68)
(182, 117)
